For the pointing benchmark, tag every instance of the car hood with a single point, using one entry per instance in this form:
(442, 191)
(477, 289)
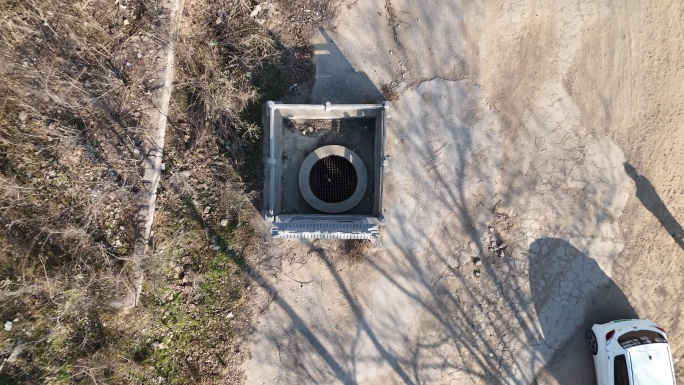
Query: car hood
(652, 366)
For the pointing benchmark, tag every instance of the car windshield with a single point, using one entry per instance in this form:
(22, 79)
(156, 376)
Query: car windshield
(640, 337)
(620, 366)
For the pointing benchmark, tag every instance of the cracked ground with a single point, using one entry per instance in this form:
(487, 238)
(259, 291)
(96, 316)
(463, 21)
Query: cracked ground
(555, 129)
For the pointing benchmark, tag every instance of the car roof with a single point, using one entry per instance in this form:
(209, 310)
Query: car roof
(651, 365)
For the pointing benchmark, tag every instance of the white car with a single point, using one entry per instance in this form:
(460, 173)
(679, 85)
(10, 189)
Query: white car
(631, 352)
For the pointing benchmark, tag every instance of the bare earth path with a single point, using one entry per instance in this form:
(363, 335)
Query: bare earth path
(154, 151)
(557, 125)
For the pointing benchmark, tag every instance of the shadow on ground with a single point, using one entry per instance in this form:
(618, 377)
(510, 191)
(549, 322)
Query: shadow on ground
(648, 196)
(428, 317)
(570, 293)
(337, 81)
(419, 314)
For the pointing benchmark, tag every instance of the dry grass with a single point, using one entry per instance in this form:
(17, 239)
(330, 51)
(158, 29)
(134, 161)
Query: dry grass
(207, 218)
(357, 250)
(70, 143)
(74, 92)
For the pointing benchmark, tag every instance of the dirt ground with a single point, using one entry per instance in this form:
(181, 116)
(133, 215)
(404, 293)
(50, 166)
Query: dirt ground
(551, 128)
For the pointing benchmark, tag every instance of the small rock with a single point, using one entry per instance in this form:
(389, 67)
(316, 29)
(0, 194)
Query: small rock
(116, 304)
(501, 254)
(22, 116)
(136, 151)
(8, 325)
(215, 247)
(126, 22)
(138, 55)
(230, 315)
(255, 11)
(170, 297)
(207, 209)
(477, 272)
(52, 174)
(15, 353)
(477, 261)
(224, 222)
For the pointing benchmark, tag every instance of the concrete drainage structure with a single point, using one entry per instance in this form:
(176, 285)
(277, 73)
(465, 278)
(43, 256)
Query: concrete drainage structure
(324, 169)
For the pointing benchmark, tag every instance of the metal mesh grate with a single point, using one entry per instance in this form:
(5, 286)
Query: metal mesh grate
(333, 179)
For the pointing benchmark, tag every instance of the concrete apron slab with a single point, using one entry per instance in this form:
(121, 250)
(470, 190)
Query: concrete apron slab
(414, 312)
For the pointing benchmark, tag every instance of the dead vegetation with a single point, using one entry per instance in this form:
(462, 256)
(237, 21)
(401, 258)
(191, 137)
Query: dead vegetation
(356, 250)
(78, 78)
(230, 60)
(389, 92)
(70, 132)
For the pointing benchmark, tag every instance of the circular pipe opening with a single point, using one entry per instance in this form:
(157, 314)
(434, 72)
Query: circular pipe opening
(333, 179)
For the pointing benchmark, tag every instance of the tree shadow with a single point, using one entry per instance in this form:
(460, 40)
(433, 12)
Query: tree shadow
(292, 80)
(648, 196)
(337, 81)
(570, 293)
(428, 318)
